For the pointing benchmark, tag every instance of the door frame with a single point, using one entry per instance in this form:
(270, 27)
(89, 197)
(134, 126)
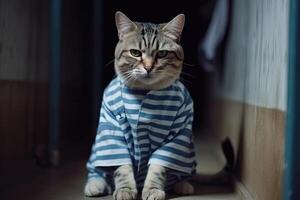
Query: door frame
(292, 145)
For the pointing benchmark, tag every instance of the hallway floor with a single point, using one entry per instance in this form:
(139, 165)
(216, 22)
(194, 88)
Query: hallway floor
(27, 181)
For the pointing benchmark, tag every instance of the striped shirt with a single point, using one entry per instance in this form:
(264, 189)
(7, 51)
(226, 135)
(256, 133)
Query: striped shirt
(142, 127)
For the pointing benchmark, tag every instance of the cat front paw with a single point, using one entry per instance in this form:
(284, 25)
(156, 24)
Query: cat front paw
(125, 194)
(153, 194)
(96, 187)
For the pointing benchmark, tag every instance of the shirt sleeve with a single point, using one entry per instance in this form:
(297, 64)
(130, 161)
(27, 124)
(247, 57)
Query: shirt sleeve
(110, 147)
(178, 152)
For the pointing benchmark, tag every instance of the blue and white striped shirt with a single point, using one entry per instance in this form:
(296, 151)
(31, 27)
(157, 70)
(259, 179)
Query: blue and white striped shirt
(142, 127)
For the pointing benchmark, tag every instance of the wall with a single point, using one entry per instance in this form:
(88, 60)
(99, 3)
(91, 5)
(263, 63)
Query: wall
(253, 94)
(23, 77)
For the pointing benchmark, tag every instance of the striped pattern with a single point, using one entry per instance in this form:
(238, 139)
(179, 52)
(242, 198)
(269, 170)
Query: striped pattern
(149, 34)
(141, 127)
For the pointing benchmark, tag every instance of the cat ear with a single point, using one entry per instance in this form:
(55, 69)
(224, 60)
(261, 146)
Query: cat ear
(174, 28)
(124, 24)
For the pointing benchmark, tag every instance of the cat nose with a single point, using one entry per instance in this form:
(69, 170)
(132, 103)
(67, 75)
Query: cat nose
(148, 69)
(148, 64)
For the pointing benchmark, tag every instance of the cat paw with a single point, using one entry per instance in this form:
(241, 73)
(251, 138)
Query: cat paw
(125, 194)
(184, 188)
(95, 187)
(153, 194)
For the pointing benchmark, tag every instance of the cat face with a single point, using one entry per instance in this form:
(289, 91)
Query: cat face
(147, 55)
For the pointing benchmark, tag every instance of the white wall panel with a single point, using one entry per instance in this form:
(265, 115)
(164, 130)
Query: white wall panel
(256, 57)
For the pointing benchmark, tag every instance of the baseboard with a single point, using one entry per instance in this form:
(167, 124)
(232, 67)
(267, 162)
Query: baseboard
(242, 191)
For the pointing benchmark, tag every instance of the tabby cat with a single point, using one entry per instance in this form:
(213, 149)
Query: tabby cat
(144, 139)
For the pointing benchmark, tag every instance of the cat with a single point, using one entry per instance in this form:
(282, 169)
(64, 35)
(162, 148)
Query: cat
(144, 139)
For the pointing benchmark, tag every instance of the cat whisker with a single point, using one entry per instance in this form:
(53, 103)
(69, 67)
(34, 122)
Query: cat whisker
(190, 65)
(168, 74)
(187, 74)
(185, 80)
(172, 75)
(109, 63)
(127, 79)
(126, 76)
(129, 76)
(127, 73)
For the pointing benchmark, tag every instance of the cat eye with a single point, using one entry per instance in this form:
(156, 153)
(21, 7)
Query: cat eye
(135, 53)
(162, 53)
